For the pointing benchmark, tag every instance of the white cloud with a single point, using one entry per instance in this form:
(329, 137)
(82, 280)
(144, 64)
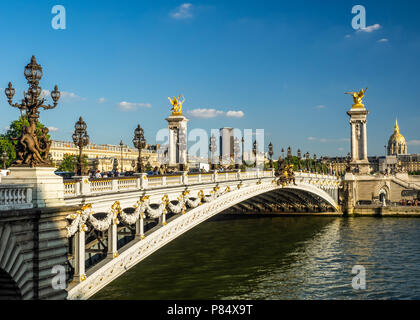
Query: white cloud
(413, 142)
(347, 36)
(182, 12)
(371, 28)
(70, 96)
(212, 113)
(53, 129)
(6, 128)
(340, 149)
(383, 40)
(101, 100)
(131, 106)
(321, 106)
(234, 114)
(205, 113)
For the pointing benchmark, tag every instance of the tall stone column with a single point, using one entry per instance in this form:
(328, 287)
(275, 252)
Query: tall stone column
(177, 152)
(359, 154)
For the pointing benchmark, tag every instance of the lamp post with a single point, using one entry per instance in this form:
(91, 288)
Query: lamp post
(139, 143)
(96, 164)
(32, 153)
(307, 160)
(4, 158)
(282, 153)
(254, 150)
(289, 154)
(133, 164)
(121, 146)
(299, 156)
(81, 140)
(315, 169)
(270, 153)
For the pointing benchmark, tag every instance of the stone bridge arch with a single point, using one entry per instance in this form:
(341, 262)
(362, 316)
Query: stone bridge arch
(14, 282)
(140, 248)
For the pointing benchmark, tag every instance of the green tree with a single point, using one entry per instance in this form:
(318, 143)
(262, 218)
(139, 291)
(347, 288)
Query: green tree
(69, 163)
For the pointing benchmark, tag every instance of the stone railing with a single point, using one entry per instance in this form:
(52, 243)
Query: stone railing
(87, 186)
(15, 196)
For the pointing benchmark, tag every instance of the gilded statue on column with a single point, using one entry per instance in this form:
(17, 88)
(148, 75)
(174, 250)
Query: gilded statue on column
(357, 98)
(176, 105)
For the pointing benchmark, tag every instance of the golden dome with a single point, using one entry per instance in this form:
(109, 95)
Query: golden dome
(397, 136)
(396, 143)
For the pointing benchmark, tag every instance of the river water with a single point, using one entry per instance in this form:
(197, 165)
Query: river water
(280, 258)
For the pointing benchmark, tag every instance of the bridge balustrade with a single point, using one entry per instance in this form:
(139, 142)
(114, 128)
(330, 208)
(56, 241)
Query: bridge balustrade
(15, 196)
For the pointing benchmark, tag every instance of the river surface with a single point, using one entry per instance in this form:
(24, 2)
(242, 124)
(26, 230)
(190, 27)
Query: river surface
(280, 258)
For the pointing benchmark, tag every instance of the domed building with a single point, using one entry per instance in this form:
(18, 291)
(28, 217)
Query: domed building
(396, 143)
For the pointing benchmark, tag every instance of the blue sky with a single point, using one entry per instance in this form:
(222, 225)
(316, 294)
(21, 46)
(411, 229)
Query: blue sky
(282, 66)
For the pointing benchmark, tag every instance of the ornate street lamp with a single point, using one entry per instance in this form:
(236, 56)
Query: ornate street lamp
(81, 140)
(96, 164)
(307, 160)
(32, 149)
(282, 153)
(133, 164)
(213, 149)
(270, 153)
(121, 146)
(139, 143)
(315, 169)
(299, 156)
(4, 158)
(236, 150)
(255, 151)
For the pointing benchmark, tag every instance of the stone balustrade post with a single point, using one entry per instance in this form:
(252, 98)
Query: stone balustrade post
(199, 178)
(238, 174)
(77, 187)
(138, 182)
(144, 181)
(163, 180)
(84, 185)
(29, 195)
(258, 173)
(79, 256)
(214, 176)
(114, 184)
(184, 177)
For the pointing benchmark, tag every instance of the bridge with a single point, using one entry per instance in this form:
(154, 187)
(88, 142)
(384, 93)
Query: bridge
(106, 226)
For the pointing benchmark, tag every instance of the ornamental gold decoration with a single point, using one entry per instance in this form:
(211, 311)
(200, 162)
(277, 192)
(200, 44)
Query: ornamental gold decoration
(357, 98)
(176, 105)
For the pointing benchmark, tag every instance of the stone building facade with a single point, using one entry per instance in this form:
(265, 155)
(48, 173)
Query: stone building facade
(106, 154)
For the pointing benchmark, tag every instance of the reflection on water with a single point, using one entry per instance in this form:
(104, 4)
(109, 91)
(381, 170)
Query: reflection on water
(280, 258)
